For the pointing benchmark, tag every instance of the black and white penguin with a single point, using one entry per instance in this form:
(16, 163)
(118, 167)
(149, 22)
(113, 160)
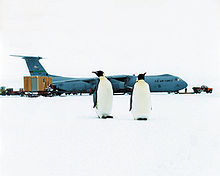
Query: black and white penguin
(103, 96)
(140, 101)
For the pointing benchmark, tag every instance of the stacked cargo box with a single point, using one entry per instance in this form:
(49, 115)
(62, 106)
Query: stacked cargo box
(36, 83)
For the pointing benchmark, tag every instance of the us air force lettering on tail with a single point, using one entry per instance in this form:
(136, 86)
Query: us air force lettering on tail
(120, 83)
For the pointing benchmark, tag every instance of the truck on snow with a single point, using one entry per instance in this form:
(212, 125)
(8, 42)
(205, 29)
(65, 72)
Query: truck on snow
(201, 89)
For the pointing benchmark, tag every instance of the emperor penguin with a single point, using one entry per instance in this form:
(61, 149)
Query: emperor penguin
(140, 101)
(103, 96)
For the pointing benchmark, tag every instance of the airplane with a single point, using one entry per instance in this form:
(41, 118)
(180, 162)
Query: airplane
(120, 83)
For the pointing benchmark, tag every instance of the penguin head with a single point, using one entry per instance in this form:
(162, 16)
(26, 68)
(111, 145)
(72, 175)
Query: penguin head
(99, 73)
(141, 76)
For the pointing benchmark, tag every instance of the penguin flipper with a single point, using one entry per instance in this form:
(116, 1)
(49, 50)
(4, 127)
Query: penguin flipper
(95, 98)
(95, 95)
(131, 100)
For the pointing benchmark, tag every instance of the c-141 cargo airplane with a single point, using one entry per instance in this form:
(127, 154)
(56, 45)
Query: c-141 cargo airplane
(120, 83)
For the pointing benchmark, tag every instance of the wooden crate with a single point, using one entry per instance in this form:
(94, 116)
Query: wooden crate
(36, 83)
(44, 82)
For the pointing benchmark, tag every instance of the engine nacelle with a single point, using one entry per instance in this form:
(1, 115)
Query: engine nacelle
(117, 85)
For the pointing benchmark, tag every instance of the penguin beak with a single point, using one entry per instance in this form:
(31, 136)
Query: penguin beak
(95, 73)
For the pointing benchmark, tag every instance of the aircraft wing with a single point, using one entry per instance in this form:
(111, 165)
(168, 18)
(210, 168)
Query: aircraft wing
(87, 80)
(88, 84)
(121, 78)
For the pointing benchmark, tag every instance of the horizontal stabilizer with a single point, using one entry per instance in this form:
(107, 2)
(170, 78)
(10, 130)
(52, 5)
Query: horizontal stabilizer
(26, 57)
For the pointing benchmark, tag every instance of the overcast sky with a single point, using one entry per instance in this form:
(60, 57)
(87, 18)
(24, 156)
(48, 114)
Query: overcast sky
(118, 36)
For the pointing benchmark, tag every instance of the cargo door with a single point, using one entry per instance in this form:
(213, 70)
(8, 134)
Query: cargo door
(34, 84)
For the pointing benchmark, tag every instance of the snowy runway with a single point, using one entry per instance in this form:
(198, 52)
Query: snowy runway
(62, 136)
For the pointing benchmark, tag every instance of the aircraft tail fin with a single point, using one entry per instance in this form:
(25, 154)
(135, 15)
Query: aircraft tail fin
(34, 66)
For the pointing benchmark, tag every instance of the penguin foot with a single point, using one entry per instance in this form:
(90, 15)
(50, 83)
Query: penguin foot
(142, 118)
(107, 117)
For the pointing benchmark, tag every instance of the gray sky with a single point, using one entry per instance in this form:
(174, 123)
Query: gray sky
(117, 36)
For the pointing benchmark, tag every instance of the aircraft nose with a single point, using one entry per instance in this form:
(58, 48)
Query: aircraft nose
(183, 84)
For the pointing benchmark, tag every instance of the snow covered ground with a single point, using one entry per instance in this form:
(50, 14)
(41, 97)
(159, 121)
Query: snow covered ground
(62, 136)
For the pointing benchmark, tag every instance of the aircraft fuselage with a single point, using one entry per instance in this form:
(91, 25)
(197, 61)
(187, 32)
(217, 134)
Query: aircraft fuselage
(120, 83)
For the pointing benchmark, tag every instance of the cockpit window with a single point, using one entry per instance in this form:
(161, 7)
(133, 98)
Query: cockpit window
(177, 79)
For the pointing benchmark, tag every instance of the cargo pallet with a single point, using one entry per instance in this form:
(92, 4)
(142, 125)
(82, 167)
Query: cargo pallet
(49, 93)
(46, 93)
